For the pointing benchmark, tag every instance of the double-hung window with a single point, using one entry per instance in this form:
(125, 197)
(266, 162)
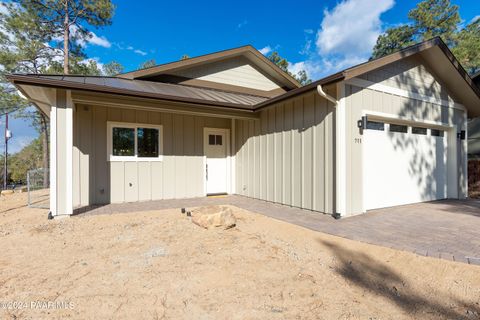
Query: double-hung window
(134, 142)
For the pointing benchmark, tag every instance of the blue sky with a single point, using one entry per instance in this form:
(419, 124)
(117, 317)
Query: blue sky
(321, 37)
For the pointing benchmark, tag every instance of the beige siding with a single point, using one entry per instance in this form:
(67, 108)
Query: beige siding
(408, 74)
(236, 71)
(286, 156)
(179, 175)
(411, 74)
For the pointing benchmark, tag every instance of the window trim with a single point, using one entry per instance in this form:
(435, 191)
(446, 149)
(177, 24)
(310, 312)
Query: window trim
(135, 158)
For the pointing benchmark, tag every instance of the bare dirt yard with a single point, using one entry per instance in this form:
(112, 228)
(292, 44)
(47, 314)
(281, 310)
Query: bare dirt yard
(159, 265)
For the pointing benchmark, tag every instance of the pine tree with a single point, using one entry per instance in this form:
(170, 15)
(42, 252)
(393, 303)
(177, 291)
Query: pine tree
(67, 21)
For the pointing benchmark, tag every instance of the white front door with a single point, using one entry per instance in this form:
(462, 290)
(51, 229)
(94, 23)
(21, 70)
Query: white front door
(404, 164)
(216, 166)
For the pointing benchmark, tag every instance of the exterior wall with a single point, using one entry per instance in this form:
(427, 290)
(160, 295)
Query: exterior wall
(287, 156)
(236, 71)
(179, 175)
(410, 76)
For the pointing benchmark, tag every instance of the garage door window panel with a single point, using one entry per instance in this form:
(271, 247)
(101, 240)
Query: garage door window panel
(419, 130)
(375, 125)
(437, 133)
(398, 128)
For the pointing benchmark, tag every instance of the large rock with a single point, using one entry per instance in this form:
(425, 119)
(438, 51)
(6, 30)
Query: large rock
(212, 217)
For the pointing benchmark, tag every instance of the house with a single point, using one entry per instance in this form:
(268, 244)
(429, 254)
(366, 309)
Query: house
(476, 78)
(384, 133)
(474, 128)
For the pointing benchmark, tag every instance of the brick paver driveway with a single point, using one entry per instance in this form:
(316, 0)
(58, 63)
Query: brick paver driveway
(447, 229)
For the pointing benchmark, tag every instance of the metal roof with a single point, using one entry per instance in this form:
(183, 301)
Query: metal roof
(164, 91)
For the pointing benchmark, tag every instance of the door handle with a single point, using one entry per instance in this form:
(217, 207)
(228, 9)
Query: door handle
(206, 171)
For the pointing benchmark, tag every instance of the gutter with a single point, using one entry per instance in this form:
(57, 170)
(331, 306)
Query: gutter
(322, 82)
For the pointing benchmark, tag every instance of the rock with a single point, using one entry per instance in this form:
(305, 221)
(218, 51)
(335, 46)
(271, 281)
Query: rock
(214, 217)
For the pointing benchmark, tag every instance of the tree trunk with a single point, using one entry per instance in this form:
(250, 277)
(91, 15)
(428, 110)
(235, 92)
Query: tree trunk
(66, 39)
(45, 150)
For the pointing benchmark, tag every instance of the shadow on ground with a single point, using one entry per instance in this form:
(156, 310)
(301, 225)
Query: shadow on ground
(468, 206)
(366, 273)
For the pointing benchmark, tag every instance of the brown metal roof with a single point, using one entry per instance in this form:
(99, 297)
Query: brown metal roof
(142, 88)
(247, 102)
(367, 66)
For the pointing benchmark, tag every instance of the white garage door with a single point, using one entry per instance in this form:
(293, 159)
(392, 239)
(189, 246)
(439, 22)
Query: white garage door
(403, 164)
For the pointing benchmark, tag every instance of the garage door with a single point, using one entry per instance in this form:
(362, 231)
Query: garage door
(403, 164)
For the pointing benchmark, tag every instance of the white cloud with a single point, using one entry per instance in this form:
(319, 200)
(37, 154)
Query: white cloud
(242, 24)
(3, 8)
(99, 41)
(140, 52)
(346, 37)
(474, 19)
(352, 27)
(97, 60)
(265, 50)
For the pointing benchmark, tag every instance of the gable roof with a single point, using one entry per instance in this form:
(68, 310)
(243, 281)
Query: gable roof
(247, 51)
(141, 88)
(445, 64)
(432, 50)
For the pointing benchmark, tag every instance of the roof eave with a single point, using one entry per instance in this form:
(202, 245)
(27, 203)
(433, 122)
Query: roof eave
(19, 80)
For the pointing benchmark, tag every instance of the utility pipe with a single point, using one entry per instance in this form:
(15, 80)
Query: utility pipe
(322, 93)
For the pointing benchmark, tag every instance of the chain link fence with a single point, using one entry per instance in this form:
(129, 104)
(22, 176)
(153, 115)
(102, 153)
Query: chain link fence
(38, 188)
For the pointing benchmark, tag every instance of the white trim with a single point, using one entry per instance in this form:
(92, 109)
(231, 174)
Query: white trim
(112, 158)
(403, 93)
(229, 166)
(341, 149)
(69, 152)
(233, 160)
(53, 160)
(464, 153)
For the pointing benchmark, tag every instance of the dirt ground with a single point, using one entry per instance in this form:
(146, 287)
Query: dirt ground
(159, 265)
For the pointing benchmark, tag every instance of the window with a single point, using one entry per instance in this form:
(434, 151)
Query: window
(214, 139)
(398, 128)
(373, 125)
(437, 133)
(147, 141)
(130, 142)
(123, 142)
(419, 130)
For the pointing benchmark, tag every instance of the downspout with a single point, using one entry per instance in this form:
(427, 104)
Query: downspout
(325, 95)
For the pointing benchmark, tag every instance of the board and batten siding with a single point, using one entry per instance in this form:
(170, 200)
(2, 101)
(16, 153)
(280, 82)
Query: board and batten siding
(236, 71)
(416, 77)
(287, 156)
(179, 175)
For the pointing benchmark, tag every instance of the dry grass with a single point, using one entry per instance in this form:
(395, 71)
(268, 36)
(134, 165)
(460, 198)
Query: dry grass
(159, 265)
